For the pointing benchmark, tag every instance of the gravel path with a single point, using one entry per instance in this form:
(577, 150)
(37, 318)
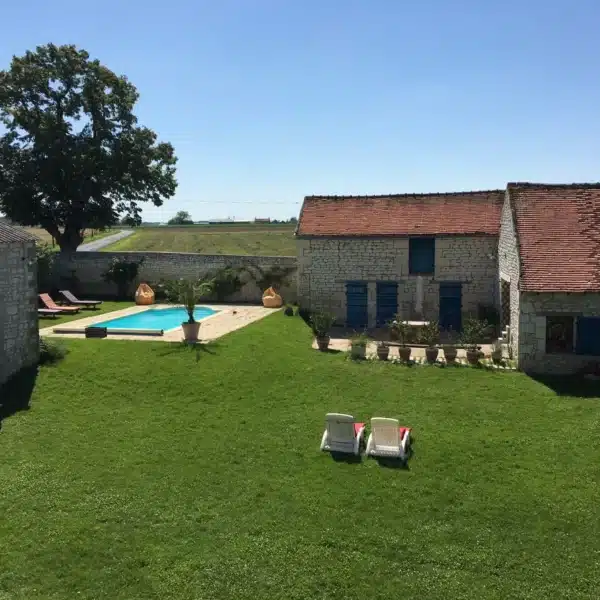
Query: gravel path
(105, 241)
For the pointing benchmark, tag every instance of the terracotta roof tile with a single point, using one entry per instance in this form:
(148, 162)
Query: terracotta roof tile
(558, 228)
(14, 234)
(406, 214)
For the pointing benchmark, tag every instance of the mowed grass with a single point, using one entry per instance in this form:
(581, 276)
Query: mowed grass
(89, 235)
(142, 471)
(265, 241)
(84, 313)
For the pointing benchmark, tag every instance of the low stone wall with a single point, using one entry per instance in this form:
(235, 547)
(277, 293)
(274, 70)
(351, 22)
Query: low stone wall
(18, 308)
(84, 271)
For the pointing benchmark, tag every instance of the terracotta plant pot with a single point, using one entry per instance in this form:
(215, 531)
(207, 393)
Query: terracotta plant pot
(431, 354)
(358, 352)
(404, 352)
(383, 352)
(450, 355)
(323, 343)
(190, 332)
(473, 357)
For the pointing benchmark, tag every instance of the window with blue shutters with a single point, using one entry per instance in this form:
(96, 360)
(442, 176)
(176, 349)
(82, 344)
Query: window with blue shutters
(588, 336)
(421, 256)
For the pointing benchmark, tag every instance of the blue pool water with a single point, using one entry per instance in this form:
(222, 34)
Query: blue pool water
(156, 318)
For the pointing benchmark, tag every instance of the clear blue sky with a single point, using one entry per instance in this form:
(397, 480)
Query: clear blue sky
(266, 101)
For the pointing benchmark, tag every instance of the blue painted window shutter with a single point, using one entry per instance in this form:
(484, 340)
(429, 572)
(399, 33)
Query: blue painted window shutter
(421, 256)
(588, 336)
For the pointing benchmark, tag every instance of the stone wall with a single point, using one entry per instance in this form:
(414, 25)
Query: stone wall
(84, 270)
(18, 308)
(509, 270)
(532, 326)
(325, 265)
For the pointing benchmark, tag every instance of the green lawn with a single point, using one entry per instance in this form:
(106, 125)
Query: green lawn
(268, 241)
(105, 307)
(143, 472)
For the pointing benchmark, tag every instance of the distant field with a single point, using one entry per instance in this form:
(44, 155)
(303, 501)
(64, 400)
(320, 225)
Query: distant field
(264, 240)
(90, 234)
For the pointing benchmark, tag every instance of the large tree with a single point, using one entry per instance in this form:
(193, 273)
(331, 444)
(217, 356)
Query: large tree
(73, 155)
(181, 218)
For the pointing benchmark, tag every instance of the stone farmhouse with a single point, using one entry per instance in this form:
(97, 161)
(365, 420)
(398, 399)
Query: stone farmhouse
(531, 252)
(18, 301)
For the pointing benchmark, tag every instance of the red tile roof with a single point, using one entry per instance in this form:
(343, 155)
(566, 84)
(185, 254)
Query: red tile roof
(457, 213)
(558, 229)
(9, 234)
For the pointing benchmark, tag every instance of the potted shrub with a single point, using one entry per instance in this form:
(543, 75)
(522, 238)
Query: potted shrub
(430, 335)
(497, 352)
(321, 324)
(450, 353)
(289, 310)
(383, 350)
(472, 333)
(358, 345)
(402, 329)
(187, 293)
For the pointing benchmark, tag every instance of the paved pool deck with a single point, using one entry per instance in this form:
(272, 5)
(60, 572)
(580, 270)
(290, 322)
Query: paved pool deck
(229, 317)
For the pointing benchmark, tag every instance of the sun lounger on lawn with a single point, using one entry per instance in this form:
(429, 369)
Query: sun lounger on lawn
(342, 434)
(49, 303)
(72, 299)
(48, 312)
(388, 439)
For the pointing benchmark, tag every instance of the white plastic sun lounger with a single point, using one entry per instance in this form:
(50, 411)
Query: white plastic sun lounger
(342, 434)
(388, 439)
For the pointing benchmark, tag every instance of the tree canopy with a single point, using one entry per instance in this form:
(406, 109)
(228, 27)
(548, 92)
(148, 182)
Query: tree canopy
(181, 218)
(73, 155)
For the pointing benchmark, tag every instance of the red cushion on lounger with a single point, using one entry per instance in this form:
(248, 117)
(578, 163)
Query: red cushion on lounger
(357, 428)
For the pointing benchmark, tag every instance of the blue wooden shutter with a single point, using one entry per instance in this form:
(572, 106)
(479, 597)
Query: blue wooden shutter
(421, 256)
(588, 336)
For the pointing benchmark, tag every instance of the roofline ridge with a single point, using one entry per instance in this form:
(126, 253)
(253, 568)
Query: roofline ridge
(405, 195)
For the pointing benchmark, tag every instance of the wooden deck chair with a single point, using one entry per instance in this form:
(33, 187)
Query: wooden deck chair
(388, 439)
(342, 434)
(50, 304)
(73, 300)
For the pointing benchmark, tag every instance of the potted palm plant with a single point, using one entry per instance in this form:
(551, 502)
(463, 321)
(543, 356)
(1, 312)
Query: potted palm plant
(383, 350)
(186, 293)
(430, 335)
(321, 324)
(358, 345)
(402, 334)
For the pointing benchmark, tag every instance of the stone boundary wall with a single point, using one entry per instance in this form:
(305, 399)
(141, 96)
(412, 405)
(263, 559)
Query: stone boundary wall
(84, 270)
(19, 346)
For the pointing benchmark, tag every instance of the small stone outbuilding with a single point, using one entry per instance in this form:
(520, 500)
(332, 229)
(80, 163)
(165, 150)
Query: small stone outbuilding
(549, 269)
(425, 256)
(18, 301)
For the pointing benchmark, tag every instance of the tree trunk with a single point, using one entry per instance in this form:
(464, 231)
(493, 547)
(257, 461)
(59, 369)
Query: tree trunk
(70, 239)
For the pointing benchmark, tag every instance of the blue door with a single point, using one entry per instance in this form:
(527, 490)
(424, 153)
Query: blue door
(451, 306)
(588, 336)
(387, 302)
(356, 304)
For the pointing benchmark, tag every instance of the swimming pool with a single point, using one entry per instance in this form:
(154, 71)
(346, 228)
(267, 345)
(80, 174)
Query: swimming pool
(156, 318)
